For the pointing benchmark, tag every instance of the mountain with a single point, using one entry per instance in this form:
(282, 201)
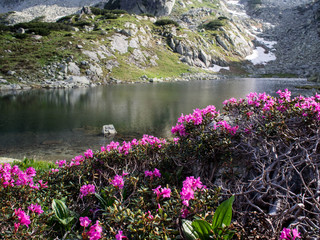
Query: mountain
(295, 27)
(90, 45)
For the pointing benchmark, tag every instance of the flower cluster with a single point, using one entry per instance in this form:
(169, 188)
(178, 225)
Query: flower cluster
(155, 173)
(118, 181)
(95, 231)
(196, 118)
(190, 185)
(86, 190)
(120, 235)
(289, 234)
(35, 208)
(164, 192)
(88, 153)
(23, 218)
(13, 176)
(126, 147)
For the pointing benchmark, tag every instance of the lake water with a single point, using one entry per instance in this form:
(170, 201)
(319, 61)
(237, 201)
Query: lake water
(62, 123)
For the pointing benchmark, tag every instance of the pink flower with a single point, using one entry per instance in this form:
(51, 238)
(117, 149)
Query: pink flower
(157, 191)
(35, 208)
(88, 153)
(87, 189)
(118, 181)
(165, 192)
(289, 234)
(61, 163)
(16, 226)
(95, 231)
(149, 215)
(24, 219)
(84, 221)
(156, 173)
(31, 172)
(148, 173)
(43, 185)
(184, 213)
(53, 170)
(119, 236)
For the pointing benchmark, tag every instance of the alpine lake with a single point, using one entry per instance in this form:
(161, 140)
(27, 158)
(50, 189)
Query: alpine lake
(59, 124)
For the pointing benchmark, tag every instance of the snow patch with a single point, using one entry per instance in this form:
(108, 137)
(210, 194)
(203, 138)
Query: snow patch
(233, 2)
(217, 68)
(260, 56)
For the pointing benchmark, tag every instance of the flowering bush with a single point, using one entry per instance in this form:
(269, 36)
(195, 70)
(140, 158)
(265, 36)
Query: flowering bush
(263, 149)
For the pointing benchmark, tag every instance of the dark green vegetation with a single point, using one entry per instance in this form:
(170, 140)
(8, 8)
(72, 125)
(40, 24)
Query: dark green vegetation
(163, 22)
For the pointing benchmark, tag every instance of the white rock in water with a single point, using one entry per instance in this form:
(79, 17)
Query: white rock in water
(108, 130)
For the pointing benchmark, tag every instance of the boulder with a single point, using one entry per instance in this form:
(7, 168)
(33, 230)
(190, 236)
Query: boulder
(154, 7)
(78, 80)
(73, 69)
(108, 130)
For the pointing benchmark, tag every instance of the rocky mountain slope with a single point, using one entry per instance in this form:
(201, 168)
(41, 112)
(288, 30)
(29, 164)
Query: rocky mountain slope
(100, 47)
(92, 46)
(295, 27)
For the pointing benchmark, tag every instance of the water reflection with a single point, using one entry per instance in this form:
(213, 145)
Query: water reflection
(56, 124)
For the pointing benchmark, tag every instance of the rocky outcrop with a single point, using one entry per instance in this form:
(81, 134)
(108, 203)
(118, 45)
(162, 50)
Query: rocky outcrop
(154, 7)
(295, 26)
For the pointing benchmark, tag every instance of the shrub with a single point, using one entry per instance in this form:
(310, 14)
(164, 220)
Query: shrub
(214, 24)
(20, 35)
(147, 14)
(163, 22)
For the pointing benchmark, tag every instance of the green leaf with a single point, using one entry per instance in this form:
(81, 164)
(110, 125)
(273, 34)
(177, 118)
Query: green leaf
(60, 209)
(188, 231)
(223, 215)
(202, 228)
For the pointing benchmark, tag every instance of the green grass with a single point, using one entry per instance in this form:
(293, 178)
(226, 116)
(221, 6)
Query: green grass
(168, 66)
(37, 165)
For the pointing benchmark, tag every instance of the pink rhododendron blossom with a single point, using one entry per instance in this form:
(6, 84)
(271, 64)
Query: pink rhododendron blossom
(120, 235)
(95, 231)
(157, 191)
(289, 234)
(87, 189)
(16, 226)
(84, 221)
(149, 215)
(35, 208)
(154, 173)
(31, 172)
(23, 218)
(43, 185)
(184, 213)
(165, 192)
(118, 181)
(53, 170)
(61, 163)
(88, 153)
(190, 185)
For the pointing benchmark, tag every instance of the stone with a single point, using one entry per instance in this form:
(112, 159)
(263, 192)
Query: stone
(96, 70)
(86, 10)
(36, 37)
(11, 73)
(79, 79)
(154, 7)
(119, 43)
(21, 30)
(91, 54)
(73, 69)
(79, 46)
(108, 130)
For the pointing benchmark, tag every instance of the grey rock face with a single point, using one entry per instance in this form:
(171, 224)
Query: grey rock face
(154, 7)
